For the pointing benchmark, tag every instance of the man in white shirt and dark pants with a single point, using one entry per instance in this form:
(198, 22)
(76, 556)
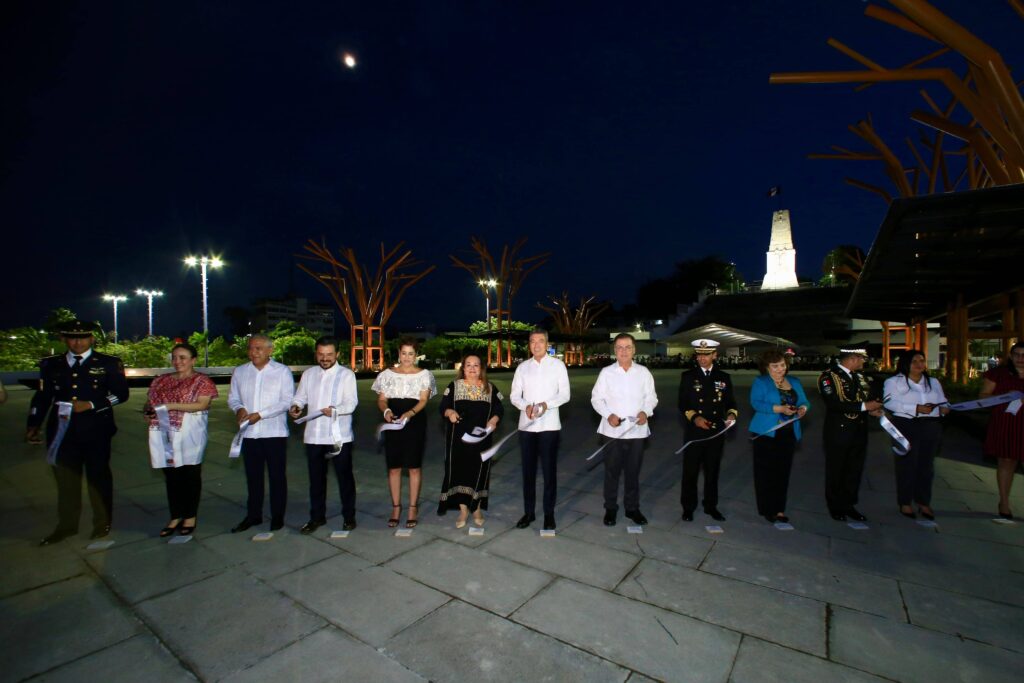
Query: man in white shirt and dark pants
(539, 386)
(329, 389)
(625, 398)
(261, 392)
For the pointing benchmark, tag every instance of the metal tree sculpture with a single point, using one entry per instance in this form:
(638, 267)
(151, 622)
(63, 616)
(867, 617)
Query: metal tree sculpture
(985, 100)
(506, 277)
(573, 323)
(376, 296)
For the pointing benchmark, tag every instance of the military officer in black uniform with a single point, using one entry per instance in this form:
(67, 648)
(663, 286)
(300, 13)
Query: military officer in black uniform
(849, 399)
(707, 402)
(88, 384)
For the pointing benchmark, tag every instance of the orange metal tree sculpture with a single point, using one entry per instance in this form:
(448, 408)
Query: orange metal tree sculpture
(985, 112)
(376, 296)
(507, 277)
(573, 323)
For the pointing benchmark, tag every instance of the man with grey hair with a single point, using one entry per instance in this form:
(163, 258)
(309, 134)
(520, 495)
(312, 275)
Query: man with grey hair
(261, 393)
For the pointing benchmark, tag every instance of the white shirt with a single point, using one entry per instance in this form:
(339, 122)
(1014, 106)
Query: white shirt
(535, 382)
(904, 395)
(624, 393)
(334, 388)
(71, 357)
(400, 385)
(268, 392)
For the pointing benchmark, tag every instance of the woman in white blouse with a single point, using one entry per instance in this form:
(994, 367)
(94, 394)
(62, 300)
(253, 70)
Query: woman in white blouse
(402, 393)
(916, 401)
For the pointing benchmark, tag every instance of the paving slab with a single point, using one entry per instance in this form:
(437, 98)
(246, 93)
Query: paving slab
(326, 656)
(990, 622)
(911, 654)
(658, 643)
(373, 540)
(138, 571)
(662, 544)
(26, 565)
(485, 580)
(563, 555)
(761, 662)
(460, 642)
(122, 663)
(54, 624)
(285, 552)
(782, 618)
(821, 580)
(227, 622)
(372, 603)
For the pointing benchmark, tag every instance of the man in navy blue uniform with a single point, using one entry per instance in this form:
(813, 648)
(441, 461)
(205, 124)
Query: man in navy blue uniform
(78, 390)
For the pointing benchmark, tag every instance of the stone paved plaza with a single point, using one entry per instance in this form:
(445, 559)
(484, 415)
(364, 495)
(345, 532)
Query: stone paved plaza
(824, 602)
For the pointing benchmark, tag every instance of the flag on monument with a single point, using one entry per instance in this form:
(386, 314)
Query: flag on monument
(773, 191)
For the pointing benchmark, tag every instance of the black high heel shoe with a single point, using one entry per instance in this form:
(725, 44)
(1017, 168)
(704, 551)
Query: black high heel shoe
(169, 530)
(393, 521)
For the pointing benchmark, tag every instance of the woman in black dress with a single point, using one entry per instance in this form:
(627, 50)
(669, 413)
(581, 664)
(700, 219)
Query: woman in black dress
(468, 402)
(402, 393)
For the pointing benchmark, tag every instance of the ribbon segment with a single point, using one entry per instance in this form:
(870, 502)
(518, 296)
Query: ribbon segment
(615, 438)
(236, 443)
(728, 426)
(890, 428)
(776, 427)
(389, 426)
(163, 420)
(64, 410)
(989, 401)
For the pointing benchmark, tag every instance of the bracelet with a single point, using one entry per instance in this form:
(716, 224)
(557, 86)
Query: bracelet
(386, 411)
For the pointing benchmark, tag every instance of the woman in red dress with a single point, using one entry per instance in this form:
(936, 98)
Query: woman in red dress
(1005, 438)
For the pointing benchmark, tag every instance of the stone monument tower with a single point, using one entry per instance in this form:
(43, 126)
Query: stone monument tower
(781, 273)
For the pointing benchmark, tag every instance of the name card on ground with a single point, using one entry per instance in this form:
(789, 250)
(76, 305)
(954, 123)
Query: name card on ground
(714, 529)
(265, 536)
(340, 534)
(635, 529)
(178, 540)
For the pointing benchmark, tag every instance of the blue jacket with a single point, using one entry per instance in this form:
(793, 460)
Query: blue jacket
(764, 395)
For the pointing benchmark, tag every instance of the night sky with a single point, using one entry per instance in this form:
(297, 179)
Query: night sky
(622, 137)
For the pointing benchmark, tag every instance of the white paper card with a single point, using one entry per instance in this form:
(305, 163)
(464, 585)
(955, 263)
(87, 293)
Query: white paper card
(99, 545)
(783, 526)
(1013, 407)
(635, 529)
(340, 534)
(402, 533)
(476, 531)
(265, 536)
(178, 540)
(1000, 520)
(927, 523)
(714, 529)
(859, 526)
(547, 533)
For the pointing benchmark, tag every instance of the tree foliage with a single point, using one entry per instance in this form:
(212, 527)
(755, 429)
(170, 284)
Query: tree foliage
(659, 298)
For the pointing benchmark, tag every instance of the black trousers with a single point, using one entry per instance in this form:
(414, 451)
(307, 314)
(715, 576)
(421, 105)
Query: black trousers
(623, 455)
(92, 455)
(184, 485)
(270, 454)
(916, 470)
(846, 444)
(542, 446)
(318, 461)
(773, 461)
(706, 456)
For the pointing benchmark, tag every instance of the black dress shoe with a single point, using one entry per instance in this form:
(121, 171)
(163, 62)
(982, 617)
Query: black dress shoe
(244, 525)
(312, 525)
(687, 515)
(856, 516)
(714, 514)
(782, 518)
(276, 524)
(57, 536)
(909, 514)
(609, 517)
(1006, 515)
(549, 522)
(349, 524)
(838, 516)
(525, 521)
(99, 532)
(636, 516)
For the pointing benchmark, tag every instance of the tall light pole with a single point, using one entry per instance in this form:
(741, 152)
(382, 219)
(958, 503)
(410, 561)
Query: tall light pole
(149, 294)
(115, 299)
(204, 262)
(486, 286)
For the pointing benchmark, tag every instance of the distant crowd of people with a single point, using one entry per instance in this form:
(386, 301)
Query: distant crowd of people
(79, 390)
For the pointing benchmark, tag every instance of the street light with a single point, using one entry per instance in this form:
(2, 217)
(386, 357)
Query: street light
(149, 294)
(115, 299)
(484, 285)
(204, 262)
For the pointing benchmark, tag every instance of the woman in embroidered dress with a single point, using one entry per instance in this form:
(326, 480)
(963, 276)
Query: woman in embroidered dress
(468, 402)
(916, 401)
(177, 446)
(402, 393)
(1005, 438)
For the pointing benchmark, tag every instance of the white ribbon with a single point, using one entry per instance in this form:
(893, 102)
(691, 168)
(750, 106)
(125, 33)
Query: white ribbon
(163, 420)
(308, 417)
(776, 427)
(236, 443)
(616, 438)
(990, 401)
(64, 410)
(489, 453)
(891, 430)
(477, 435)
(389, 426)
(728, 425)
